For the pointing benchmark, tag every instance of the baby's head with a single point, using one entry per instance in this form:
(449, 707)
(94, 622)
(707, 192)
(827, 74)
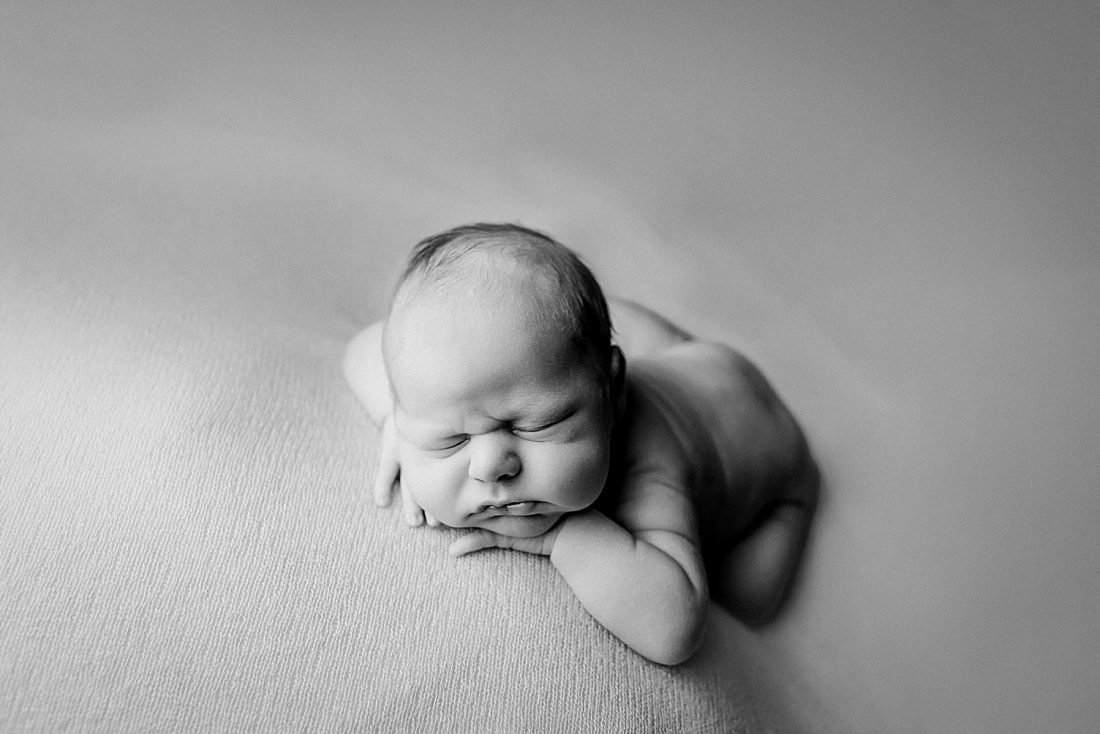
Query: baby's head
(504, 379)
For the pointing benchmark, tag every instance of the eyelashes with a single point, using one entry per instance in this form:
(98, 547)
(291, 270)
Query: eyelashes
(450, 444)
(532, 431)
(553, 423)
(536, 432)
(453, 443)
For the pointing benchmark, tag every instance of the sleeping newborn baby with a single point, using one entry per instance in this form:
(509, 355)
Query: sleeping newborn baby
(647, 469)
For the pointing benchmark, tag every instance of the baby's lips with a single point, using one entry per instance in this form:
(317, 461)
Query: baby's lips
(511, 508)
(519, 508)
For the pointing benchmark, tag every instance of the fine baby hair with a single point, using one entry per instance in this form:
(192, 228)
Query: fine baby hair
(564, 291)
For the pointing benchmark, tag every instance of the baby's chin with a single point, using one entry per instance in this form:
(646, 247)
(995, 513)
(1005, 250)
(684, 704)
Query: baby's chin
(519, 527)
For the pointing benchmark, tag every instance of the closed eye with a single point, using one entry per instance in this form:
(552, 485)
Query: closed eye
(450, 443)
(542, 427)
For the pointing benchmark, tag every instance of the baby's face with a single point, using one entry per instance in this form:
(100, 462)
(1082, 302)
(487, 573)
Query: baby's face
(498, 426)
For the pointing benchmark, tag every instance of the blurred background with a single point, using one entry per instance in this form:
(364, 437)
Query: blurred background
(894, 207)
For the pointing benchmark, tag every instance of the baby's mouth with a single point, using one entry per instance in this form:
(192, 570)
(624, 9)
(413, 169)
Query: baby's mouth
(515, 509)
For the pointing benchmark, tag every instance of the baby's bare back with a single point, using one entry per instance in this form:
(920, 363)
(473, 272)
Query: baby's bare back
(711, 417)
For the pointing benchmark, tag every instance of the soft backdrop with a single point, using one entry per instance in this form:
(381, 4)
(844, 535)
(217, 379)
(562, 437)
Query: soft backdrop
(891, 206)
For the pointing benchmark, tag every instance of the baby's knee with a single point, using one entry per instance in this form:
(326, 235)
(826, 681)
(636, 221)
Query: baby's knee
(804, 487)
(754, 578)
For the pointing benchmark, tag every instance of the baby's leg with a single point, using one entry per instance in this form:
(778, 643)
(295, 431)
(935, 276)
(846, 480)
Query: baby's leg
(755, 576)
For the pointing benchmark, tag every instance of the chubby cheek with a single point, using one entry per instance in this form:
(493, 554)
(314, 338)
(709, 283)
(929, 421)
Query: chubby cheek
(576, 476)
(435, 485)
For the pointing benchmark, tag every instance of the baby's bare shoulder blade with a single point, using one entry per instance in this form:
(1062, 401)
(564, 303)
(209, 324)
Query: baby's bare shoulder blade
(725, 410)
(717, 379)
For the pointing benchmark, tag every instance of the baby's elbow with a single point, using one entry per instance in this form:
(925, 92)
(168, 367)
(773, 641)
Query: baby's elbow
(678, 652)
(680, 639)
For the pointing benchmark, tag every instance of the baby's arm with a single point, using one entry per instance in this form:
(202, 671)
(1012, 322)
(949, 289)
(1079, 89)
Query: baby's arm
(643, 576)
(642, 579)
(639, 572)
(365, 371)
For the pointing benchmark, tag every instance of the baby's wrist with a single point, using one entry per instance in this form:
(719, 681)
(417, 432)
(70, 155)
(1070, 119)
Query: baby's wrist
(555, 533)
(566, 532)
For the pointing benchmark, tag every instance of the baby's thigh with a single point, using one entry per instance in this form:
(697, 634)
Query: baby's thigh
(762, 458)
(764, 449)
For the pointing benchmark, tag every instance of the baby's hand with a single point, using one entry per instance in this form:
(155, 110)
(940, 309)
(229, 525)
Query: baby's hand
(480, 539)
(388, 476)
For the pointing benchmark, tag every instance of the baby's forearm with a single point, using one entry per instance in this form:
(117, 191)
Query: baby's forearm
(641, 593)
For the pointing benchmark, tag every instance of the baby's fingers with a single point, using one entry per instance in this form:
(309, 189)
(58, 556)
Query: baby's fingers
(414, 516)
(384, 484)
(473, 542)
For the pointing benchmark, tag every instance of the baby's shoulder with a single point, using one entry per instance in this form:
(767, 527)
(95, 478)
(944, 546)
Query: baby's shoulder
(709, 398)
(695, 372)
(673, 397)
(678, 402)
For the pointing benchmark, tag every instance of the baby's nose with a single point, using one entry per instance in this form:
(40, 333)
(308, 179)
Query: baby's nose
(492, 459)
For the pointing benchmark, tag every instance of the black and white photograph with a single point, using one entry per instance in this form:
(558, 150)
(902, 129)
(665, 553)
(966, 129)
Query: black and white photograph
(549, 367)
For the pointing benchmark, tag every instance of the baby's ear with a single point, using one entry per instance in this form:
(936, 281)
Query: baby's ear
(618, 381)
